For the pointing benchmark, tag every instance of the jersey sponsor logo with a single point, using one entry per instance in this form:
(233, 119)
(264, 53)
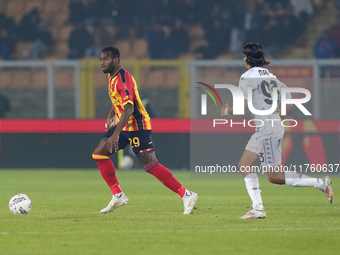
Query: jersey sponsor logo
(116, 101)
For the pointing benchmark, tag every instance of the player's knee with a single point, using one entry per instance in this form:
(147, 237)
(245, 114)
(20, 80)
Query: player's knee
(272, 180)
(241, 164)
(276, 180)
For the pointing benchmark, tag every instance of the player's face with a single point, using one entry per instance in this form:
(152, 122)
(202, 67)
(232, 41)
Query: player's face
(244, 57)
(107, 62)
(245, 61)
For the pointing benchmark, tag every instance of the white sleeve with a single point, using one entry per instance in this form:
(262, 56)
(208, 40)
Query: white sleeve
(243, 86)
(288, 95)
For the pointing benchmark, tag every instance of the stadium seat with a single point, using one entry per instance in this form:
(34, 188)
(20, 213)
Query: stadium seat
(232, 74)
(3, 7)
(190, 56)
(213, 72)
(64, 34)
(61, 49)
(225, 57)
(200, 73)
(101, 80)
(51, 6)
(15, 10)
(6, 77)
(172, 78)
(40, 79)
(154, 79)
(31, 4)
(61, 18)
(22, 81)
(20, 48)
(64, 78)
(124, 47)
(140, 49)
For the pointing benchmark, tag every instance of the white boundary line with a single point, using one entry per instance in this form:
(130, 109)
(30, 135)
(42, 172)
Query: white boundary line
(148, 231)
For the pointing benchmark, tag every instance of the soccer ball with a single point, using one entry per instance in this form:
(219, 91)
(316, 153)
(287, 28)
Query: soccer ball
(127, 162)
(20, 204)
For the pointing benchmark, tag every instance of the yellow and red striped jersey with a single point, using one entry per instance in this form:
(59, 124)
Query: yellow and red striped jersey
(122, 90)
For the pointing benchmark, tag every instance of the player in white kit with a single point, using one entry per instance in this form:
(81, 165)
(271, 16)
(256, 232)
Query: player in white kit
(265, 144)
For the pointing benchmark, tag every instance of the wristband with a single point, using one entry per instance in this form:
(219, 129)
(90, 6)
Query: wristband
(226, 111)
(110, 126)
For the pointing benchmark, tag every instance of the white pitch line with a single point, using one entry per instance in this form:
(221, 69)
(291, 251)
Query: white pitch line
(176, 230)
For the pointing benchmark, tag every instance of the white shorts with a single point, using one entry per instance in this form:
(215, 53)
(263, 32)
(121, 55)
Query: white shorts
(268, 149)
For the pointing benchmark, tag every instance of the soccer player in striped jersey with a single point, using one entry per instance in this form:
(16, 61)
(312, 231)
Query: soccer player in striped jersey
(133, 127)
(265, 144)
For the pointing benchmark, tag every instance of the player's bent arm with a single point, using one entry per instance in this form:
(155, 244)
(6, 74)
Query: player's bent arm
(112, 142)
(112, 113)
(110, 121)
(124, 118)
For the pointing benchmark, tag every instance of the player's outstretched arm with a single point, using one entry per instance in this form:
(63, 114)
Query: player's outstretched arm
(112, 142)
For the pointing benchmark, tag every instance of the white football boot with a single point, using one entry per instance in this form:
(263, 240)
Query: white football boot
(189, 201)
(254, 214)
(327, 188)
(117, 200)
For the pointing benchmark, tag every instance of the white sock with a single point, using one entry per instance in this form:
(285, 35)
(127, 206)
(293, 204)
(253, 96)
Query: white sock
(253, 188)
(301, 180)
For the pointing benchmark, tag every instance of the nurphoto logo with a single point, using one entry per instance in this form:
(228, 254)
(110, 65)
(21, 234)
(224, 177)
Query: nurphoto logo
(269, 89)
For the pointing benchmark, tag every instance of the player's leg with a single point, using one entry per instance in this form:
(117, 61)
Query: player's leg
(249, 159)
(276, 175)
(101, 155)
(152, 166)
(146, 155)
(295, 179)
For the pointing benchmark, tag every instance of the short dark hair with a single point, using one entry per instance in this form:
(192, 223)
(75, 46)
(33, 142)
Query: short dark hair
(255, 55)
(115, 52)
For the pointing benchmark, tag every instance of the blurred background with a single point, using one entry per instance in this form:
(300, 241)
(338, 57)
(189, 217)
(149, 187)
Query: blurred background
(50, 69)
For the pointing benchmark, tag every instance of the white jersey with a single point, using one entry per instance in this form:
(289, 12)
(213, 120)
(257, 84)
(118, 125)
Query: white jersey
(262, 82)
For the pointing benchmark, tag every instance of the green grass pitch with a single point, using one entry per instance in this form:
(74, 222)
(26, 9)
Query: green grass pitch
(65, 216)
